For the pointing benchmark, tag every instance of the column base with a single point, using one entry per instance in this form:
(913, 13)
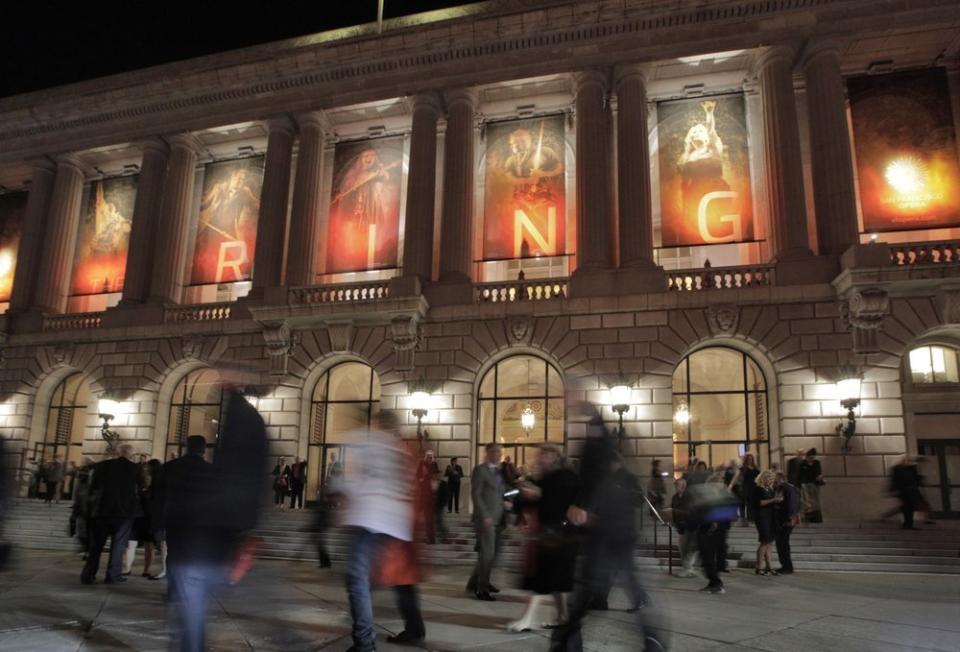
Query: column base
(451, 292)
(806, 271)
(641, 280)
(873, 254)
(406, 286)
(134, 313)
(593, 283)
(28, 321)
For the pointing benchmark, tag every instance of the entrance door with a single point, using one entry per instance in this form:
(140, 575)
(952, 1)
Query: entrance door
(940, 466)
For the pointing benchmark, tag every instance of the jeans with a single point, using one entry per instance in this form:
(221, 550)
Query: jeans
(118, 529)
(191, 585)
(362, 557)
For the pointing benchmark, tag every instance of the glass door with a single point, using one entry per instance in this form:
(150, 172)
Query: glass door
(939, 464)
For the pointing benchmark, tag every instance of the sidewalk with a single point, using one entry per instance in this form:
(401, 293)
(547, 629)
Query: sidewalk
(289, 607)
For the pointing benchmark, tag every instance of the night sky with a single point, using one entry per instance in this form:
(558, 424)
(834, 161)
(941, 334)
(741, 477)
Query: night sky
(46, 43)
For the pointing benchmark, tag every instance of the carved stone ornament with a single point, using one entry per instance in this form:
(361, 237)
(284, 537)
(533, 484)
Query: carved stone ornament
(864, 312)
(280, 342)
(723, 318)
(407, 336)
(341, 336)
(520, 330)
(192, 347)
(950, 305)
(62, 353)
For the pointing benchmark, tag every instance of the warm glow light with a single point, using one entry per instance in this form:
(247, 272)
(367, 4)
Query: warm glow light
(717, 57)
(682, 415)
(6, 262)
(108, 407)
(528, 419)
(420, 400)
(906, 175)
(849, 389)
(620, 395)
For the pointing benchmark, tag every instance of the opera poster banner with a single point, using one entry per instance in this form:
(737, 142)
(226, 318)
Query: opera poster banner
(524, 193)
(906, 151)
(227, 225)
(104, 237)
(364, 224)
(704, 159)
(13, 207)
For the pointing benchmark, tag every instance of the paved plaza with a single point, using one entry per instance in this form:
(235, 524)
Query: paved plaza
(292, 606)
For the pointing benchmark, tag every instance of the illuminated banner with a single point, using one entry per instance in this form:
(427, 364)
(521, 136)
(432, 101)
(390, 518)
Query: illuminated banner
(524, 194)
(365, 205)
(906, 151)
(13, 206)
(227, 227)
(704, 171)
(101, 257)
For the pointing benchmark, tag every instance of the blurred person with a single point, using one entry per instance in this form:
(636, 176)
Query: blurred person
(616, 515)
(155, 508)
(327, 497)
(592, 513)
(656, 488)
(70, 480)
(334, 469)
(298, 476)
(553, 555)
(454, 476)
(746, 479)
(379, 508)
(142, 534)
(80, 509)
(487, 488)
(6, 480)
(508, 471)
(905, 483)
(680, 512)
(811, 479)
(281, 475)
(53, 477)
(793, 468)
(698, 474)
(427, 483)
(114, 488)
(765, 500)
(786, 517)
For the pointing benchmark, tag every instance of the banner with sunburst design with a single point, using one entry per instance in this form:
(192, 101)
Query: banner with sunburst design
(13, 208)
(906, 150)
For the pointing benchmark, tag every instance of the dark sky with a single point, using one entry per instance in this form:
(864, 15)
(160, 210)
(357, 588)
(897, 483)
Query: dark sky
(46, 43)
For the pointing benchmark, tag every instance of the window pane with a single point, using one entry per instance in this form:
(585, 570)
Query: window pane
(203, 421)
(721, 455)
(716, 369)
(755, 379)
(555, 384)
(487, 389)
(521, 375)
(485, 427)
(320, 391)
(680, 378)
(921, 365)
(343, 418)
(681, 459)
(718, 417)
(758, 415)
(681, 430)
(350, 381)
(509, 428)
(948, 374)
(555, 424)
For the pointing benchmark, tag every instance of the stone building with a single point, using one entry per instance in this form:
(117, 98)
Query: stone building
(732, 334)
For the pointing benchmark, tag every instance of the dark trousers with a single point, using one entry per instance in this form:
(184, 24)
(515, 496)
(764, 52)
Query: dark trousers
(408, 604)
(907, 508)
(707, 539)
(118, 529)
(782, 538)
(620, 564)
(453, 497)
(296, 494)
(52, 490)
(723, 530)
(279, 493)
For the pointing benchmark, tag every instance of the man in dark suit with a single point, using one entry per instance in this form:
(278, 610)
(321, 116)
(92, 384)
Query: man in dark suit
(487, 488)
(786, 517)
(114, 492)
(453, 475)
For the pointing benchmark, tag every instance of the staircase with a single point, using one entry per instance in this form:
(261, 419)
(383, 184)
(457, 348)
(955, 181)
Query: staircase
(854, 547)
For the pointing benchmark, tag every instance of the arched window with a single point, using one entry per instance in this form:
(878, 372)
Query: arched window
(720, 408)
(66, 421)
(520, 405)
(347, 397)
(194, 410)
(934, 364)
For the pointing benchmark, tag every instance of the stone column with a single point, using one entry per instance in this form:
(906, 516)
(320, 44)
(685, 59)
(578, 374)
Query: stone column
(781, 141)
(60, 238)
(146, 214)
(831, 162)
(32, 236)
(421, 188)
(633, 169)
(175, 207)
(456, 226)
(307, 195)
(594, 228)
(272, 221)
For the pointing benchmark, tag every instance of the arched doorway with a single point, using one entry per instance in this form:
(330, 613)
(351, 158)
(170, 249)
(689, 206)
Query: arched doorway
(720, 408)
(194, 410)
(66, 422)
(346, 398)
(512, 387)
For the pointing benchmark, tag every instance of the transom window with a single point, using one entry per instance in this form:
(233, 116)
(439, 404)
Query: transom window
(934, 364)
(720, 408)
(520, 406)
(195, 410)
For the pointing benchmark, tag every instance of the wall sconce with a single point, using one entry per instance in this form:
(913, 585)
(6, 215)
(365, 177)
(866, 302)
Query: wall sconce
(528, 419)
(420, 405)
(108, 410)
(620, 395)
(848, 387)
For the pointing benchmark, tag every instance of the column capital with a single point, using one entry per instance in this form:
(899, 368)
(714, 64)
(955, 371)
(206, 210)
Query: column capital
(184, 140)
(155, 144)
(468, 96)
(280, 123)
(313, 120)
(818, 48)
(776, 54)
(41, 164)
(428, 101)
(584, 79)
(73, 160)
(623, 73)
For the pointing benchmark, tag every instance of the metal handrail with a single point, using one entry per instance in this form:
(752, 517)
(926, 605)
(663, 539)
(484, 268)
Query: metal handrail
(659, 518)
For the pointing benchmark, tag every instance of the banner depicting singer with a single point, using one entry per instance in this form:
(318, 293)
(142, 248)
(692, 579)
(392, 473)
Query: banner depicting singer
(364, 225)
(906, 151)
(227, 225)
(101, 258)
(525, 192)
(704, 171)
(13, 207)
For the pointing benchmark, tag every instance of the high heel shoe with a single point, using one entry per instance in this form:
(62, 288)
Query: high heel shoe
(518, 626)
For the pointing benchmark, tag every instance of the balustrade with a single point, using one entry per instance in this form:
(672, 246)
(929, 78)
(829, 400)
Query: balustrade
(202, 312)
(710, 278)
(508, 291)
(340, 293)
(945, 252)
(75, 321)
